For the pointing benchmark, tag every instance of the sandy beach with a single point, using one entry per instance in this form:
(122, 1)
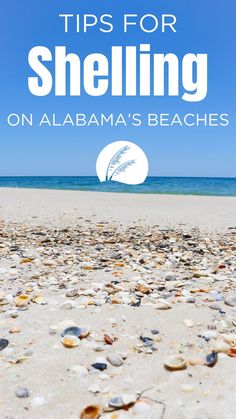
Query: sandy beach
(146, 286)
(56, 207)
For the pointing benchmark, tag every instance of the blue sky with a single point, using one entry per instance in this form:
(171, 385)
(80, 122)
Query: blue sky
(202, 27)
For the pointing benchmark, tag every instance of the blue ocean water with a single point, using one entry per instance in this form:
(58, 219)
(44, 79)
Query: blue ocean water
(152, 185)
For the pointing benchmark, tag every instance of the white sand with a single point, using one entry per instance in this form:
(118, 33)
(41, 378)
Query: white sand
(212, 394)
(63, 207)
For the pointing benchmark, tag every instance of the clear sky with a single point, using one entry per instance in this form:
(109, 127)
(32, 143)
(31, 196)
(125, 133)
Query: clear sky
(202, 27)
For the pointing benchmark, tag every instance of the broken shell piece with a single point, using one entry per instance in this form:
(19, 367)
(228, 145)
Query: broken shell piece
(196, 361)
(14, 330)
(39, 300)
(187, 388)
(22, 392)
(99, 366)
(85, 331)
(22, 300)
(143, 289)
(94, 388)
(70, 341)
(232, 352)
(175, 362)
(26, 260)
(3, 343)
(19, 360)
(91, 412)
(230, 339)
(53, 329)
(148, 342)
(122, 401)
(209, 334)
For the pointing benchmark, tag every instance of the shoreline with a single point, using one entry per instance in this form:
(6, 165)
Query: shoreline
(165, 185)
(120, 192)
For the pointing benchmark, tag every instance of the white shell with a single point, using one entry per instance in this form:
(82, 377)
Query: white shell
(175, 362)
(141, 407)
(162, 304)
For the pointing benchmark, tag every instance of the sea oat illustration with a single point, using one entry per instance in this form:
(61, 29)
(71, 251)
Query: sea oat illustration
(122, 168)
(115, 160)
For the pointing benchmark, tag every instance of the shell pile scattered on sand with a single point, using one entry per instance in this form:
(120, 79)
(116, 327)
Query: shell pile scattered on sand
(111, 300)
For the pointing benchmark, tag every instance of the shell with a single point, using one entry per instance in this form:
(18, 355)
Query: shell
(129, 398)
(94, 388)
(122, 401)
(163, 305)
(143, 289)
(64, 324)
(14, 330)
(22, 392)
(70, 341)
(230, 300)
(3, 343)
(221, 346)
(187, 388)
(141, 407)
(91, 412)
(26, 260)
(79, 332)
(85, 331)
(99, 366)
(53, 329)
(38, 401)
(211, 359)
(175, 363)
(148, 342)
(188, 322)
(230, 339)
(115, 359)
(72, 331)
(39, 300)
(232, 352)
(109, 340)
(22, 300)
(70, 293)
(79, 370)
(196, 361)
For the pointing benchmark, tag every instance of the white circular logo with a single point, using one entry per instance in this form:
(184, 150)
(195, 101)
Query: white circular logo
(122, 161)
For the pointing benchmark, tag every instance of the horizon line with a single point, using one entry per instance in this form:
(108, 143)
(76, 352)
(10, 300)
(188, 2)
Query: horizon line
(94, 176)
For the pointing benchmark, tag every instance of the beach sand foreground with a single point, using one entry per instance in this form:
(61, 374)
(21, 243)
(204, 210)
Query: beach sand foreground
(147, 283)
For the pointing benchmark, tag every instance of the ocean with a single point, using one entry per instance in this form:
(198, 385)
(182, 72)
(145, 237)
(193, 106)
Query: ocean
(152, 185)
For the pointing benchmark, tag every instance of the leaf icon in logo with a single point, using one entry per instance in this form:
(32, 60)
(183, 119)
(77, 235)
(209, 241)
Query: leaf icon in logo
(115, 160)
(122, 168)
(123, 162)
